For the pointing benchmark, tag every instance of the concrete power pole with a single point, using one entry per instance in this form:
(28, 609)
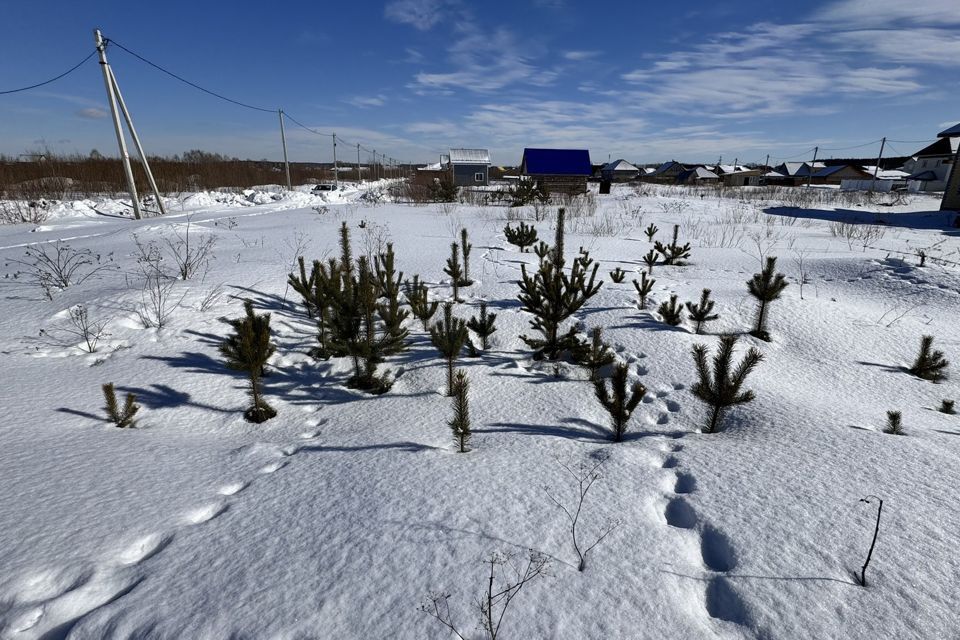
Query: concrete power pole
(358, 163)
(283, 139)
(336, 174)
(810, 173)
(876, 169)
(121, 141)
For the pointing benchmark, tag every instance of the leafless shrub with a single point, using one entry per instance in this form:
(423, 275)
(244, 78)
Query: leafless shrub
(448, 208)
(24, 211)
(54, 266)
(190, 255)
(800, 261)
(375, 239)
(157, 302)
(211, 298)
(584, 476)
(79, 330)
(504, 582)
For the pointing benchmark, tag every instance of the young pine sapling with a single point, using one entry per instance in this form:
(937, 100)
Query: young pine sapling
(671, 311)
(419, 298)
(460, 424)
(617, 275)
(894, 423)
(248, 350)
(720, 389)
(483, 325)
(523, 236)
(465, 247)
(643, 287)
(597, 354)
(673, 253)
(946, 406)
(454, 270)
(122, 418)
(930, 363)
(650, 259)
(619, 402)
(766, 287)
(449, 337)
(702, 312)
(651, 231)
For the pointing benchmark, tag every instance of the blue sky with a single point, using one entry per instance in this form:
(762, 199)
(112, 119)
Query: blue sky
(644, 81)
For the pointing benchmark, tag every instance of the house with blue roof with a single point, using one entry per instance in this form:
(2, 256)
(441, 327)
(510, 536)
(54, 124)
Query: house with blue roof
(557, 170)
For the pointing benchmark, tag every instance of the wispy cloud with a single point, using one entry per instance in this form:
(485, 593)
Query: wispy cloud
(365, 102)
(577, 56)
(93, 113)
(420, 14)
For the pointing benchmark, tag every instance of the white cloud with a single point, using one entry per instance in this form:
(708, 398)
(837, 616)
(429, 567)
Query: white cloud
(93, 113)
(913, 45)
(577, 56)
(420, 14)
(365, 102)
(869, 13)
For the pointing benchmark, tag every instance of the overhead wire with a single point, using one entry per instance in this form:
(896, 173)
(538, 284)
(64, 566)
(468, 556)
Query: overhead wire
(54, 79)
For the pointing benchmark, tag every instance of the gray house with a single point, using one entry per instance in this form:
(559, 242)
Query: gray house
(470, 167)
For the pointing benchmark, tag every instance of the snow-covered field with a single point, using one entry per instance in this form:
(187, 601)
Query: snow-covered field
(340, 516)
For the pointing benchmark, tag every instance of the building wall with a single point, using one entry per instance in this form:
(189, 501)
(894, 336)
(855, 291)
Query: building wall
(951, 195)
(571, 185)
(464, 175)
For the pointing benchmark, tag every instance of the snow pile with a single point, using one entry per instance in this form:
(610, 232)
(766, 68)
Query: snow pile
(341, 515)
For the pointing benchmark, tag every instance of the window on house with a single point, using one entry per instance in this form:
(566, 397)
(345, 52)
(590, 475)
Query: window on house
(478, 177)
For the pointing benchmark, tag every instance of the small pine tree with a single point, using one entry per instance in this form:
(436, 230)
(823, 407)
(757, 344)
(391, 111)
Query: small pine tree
(650, 259)
(765, 287)
(721, 388)
(618, 403)
(523, 236)
(460, 424)
(122, 418)
(618, 275)
(454, 270)
(894, 423)
(597, 355)
(671, 311)
(449, 337)
(651, 231)
(552, 296)
(303, 284)
(483, 326)
(930, 364)
(946, 406)
(703, 312)
(644, 287)
(388, 284)
(248, 350)
(674, 252)
(542, 250)
(465, 246)
(419, 298)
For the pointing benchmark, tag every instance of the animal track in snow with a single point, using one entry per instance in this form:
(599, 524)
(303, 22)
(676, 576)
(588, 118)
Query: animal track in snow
(670, 462)
(723, 602)
(205, 513)
(680, 514)
(232, 489)
(717, 552)
(144, 548)
(685, 483)
(273, 467)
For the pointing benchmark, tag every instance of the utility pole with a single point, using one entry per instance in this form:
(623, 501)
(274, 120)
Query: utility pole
(358, 163)
(136, 141)
(876, 169)
(283, 139)
(121, 141)
(810, 172)
(336, 174)
(766, 163)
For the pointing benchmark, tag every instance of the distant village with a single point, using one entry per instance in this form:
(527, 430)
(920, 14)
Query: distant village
(570, 170)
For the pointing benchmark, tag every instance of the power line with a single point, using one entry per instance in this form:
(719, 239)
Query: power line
(856, 146)
(799, 155)
(305, 127)
(40, 84)
(185, 81)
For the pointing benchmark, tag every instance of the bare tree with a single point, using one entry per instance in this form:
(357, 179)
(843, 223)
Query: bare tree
(54, 266)
(78, 327)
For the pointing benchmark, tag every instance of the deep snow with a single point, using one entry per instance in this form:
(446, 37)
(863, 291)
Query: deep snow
(337, 518)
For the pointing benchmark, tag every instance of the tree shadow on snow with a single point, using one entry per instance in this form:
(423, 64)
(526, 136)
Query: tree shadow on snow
(744, 576)
(908, 220)
(599, 434)
(885, 367)
(161, 396)
(411, 447)
(81, 414)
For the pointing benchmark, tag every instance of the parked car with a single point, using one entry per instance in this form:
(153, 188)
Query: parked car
(325, 186)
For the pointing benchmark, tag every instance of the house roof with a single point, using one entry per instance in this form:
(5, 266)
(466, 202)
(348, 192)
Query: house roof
(793, 168)
(923, 176)
(953, 131)
(619, 165)
(469, 156)
(699, 173)
(557, 162)
(666, 166)
(829, 171)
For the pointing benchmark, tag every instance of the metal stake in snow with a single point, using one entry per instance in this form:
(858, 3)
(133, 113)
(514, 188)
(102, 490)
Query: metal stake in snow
(121, 141)
(863, 570)
(283, 139)
(873, 184)
(358, 163)
(336, 174)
